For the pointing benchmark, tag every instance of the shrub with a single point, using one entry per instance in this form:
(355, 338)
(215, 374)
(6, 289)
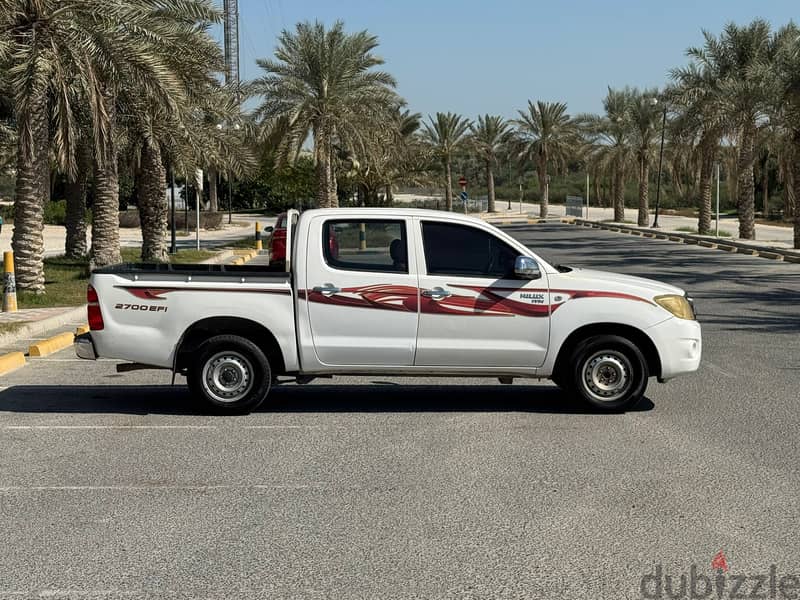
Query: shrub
(55, 212)
(129, 219)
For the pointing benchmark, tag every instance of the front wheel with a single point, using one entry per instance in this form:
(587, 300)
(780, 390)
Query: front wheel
(609, 372)
(231, 374)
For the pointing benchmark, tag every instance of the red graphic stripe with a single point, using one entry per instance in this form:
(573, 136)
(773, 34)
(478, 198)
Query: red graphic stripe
(598, 294)
(157, 293)
(383, 297)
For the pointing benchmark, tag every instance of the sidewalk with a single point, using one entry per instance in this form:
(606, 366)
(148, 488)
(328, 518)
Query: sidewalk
(55, 235)
(766, 235)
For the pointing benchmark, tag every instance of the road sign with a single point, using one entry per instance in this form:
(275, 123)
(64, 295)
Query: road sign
(462, 181)
(464, 196)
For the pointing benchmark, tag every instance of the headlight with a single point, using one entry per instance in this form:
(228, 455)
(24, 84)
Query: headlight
(677, 305)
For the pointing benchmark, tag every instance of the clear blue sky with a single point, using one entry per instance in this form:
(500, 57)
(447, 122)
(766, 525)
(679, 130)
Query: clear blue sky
(490, 57)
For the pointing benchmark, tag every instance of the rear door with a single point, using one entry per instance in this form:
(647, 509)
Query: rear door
(474, 312)
(361, 291)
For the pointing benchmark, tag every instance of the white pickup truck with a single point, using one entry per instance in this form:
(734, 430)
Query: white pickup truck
(393, 292)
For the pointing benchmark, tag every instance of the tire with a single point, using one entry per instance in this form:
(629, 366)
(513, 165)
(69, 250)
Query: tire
(608, 372)
(230, 374)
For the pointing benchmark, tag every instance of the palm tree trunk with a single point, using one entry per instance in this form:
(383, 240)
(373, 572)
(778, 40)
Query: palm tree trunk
(323, 167)
(333, 186)
(75, 193)
(644, 192)
(490, 185)
(795, 177)
(541, 172)
(31, 191)
(619, 194)
(153, 204)
(105, 211)
(706, 182)
(789, 198)
(449, 184)
(746, 185)
(765, 187)
(213, 197)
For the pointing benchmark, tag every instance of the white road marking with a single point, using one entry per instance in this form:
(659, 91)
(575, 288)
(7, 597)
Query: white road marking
(61, 427)
(148, 488)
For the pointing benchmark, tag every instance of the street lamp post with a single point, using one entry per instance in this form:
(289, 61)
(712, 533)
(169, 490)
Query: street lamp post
(660, 162)
(173, 244)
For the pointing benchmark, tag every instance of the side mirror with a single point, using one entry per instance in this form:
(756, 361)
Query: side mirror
(526, 268)
(269, 229)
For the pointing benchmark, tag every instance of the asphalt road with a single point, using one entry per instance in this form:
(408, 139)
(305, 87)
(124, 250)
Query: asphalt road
(112, 486)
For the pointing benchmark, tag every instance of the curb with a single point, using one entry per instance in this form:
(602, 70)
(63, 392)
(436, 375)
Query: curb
(11, 362)
(217, 258)
(81, 329)
(76, 315)
(51, 345)
(723, 244)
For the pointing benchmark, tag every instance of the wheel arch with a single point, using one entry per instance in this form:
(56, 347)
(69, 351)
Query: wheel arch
(200, 331)
(635, 335)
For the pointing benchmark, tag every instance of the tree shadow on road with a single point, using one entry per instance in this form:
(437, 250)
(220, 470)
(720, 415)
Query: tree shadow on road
(370, 398)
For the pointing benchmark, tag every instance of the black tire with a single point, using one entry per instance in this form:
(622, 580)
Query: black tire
(608, 372)
(230, 374)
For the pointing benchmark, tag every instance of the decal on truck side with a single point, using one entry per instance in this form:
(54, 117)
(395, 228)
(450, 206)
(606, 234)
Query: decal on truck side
(489, 301)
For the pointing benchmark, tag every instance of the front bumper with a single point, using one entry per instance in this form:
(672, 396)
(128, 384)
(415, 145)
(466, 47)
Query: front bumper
(679, 344)
(84, 347)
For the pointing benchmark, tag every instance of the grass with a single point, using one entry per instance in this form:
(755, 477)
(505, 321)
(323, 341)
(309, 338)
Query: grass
(685, 229)
(66, 278)
(613, 221)
(246, 242)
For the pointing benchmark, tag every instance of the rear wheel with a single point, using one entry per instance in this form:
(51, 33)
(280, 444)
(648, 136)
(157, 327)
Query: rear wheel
(231, 374)
(607, 371)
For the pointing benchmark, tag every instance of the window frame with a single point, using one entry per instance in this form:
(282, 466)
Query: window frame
(507, 276)
(373, 268)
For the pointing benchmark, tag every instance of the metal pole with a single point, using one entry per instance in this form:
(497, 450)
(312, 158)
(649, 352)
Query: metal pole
(197, 218)
(660, 161)
(230, 201)
(521, 194)
(173, 243)
(186, 204)
(717, 199)
(587, 195)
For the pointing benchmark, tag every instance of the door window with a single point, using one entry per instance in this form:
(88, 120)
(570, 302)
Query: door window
(463, 251)
(354, 245)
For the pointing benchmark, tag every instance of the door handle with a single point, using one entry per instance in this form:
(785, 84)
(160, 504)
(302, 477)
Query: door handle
(327, 290)
(436, 293)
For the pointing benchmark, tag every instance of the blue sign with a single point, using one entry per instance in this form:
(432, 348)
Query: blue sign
(463, 196)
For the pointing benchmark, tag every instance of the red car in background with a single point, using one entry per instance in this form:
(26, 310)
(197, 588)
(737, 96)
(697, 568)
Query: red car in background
(277, 243)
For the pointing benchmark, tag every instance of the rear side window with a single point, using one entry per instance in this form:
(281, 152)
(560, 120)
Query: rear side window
(464, 251)
(354, 245)
(281, 224)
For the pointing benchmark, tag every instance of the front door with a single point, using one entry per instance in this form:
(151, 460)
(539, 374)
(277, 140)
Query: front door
(474, 312)
(362, 292)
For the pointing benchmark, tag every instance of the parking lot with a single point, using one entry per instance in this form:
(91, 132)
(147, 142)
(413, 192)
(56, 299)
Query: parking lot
(114, 486)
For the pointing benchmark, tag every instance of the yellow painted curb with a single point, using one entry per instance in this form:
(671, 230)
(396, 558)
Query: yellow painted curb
(238, 261)
(533, 221)
(53, 344)
(707, 244)
(82, 329)
(11, 362)
(726, 248)
(241, 252)
(570, 221)
(772, 255)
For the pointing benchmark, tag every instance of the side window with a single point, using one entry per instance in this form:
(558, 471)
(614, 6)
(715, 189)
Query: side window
(354, 245)
(465, 251)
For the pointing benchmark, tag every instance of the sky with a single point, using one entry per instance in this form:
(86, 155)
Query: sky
(475, 57)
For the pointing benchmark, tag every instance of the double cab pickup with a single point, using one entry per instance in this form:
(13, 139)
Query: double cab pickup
(399, 292)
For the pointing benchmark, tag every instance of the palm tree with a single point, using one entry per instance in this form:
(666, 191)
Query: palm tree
(737, 60)
(702, 107)
(645, 115)
(55, 52)
(446, 133)
(546, 134)
(322, 82)
(781, 77)
(489, 136)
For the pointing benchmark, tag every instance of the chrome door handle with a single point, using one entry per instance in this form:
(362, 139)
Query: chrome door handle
(436, 293)
(327, 290)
